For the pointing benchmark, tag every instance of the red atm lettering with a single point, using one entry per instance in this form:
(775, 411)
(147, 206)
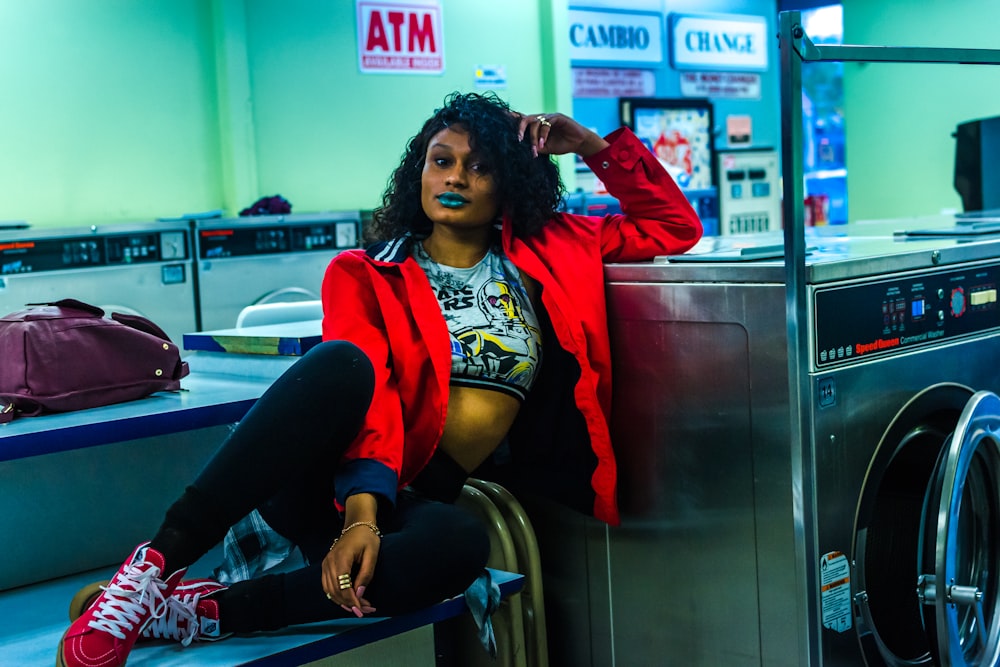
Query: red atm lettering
(416, 29)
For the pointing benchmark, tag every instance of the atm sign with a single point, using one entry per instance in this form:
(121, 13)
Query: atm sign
(397, 37)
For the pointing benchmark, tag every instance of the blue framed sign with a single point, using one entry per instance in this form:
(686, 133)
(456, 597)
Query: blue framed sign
(626, 38)
(734, 42)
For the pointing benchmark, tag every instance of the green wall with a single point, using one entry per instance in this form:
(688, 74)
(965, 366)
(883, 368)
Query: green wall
(328, 135)
(124, 110)
(899, 117)
(108, 110)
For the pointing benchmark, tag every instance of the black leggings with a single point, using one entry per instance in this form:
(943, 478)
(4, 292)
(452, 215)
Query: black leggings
(281, 459)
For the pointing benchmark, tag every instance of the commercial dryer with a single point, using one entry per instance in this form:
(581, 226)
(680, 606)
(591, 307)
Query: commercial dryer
(141, 269)
(899, 498)
(265, 259)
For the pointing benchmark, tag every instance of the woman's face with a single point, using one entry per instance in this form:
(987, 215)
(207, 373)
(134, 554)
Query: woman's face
(457, 186)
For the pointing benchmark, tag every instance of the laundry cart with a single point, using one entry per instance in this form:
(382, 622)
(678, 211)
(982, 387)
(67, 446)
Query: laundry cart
(265, 259)
(139, 269)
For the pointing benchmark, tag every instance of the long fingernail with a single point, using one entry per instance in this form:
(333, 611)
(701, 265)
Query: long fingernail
(357, 612)
(368, 610)
(346, 608)
(361, 591)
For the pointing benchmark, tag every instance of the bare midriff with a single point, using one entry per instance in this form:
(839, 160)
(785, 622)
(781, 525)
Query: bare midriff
(477, 422)
(478, 419)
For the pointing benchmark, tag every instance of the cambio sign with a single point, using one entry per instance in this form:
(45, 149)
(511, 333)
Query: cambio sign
(398, 37)
(731, 42)
(615, 36)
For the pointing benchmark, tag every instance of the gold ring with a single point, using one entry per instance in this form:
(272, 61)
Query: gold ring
(542, 120)
(329, 597)
(344, 580)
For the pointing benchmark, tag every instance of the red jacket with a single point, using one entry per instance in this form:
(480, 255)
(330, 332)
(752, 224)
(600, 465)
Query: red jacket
(381, 300)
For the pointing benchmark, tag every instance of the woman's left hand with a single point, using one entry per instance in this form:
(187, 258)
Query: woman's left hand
(353, 557)
(558, 134)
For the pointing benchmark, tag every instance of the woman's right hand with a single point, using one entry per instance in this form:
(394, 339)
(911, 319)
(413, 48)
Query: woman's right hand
(558, 134)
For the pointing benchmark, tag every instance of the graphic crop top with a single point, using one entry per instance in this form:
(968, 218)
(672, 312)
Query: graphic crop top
(496, 342)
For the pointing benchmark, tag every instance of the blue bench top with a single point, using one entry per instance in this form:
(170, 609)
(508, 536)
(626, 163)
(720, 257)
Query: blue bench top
(35, 617)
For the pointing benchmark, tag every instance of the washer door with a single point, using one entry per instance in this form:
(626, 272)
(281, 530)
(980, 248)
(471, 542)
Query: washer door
(889, 527)
(959, 556)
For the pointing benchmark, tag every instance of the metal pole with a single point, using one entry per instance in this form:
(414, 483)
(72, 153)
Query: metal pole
(803, 488)
(810, 52)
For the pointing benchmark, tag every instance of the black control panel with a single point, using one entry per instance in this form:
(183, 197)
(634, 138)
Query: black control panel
(54, 254)
(862, 321)
(221, 242)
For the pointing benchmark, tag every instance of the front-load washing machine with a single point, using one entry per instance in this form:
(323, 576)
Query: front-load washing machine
(135, 268)
(265, 259)
(907, 510)
(888, 517)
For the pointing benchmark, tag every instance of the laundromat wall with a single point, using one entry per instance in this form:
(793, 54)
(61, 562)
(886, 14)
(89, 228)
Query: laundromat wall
(899, 148)
(121, 110)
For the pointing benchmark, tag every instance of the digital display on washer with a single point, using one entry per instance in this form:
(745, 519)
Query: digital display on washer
(31, 256)
(867, 320)
(223, 242)
(133, 248)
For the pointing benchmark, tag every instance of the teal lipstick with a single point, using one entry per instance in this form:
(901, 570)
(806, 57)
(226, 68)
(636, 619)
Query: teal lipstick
(452, 200)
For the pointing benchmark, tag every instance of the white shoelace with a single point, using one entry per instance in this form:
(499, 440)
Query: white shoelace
(121, 608)
(167, 626)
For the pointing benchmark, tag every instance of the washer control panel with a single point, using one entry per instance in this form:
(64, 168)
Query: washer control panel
(74, 252)
(865, 320)
(238, 241)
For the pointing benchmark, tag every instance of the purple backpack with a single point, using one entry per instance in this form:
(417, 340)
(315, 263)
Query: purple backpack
(62, 356)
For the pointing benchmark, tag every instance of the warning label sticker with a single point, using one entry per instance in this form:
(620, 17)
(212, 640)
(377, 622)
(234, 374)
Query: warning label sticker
(835, 591)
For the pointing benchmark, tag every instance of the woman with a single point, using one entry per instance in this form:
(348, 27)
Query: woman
(471, 337)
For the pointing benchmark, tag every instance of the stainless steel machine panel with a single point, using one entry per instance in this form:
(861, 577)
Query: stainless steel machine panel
(703, 569)
(138, 269)
(265, 259)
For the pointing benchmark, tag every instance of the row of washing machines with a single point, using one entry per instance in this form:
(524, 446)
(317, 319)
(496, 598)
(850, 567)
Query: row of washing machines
(185, 274)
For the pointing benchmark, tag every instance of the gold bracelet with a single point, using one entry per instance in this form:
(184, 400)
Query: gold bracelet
(367, 524)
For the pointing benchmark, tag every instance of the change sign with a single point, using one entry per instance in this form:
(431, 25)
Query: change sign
(397, 37)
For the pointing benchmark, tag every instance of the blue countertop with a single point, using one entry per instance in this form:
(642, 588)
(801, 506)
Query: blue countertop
(220, 389)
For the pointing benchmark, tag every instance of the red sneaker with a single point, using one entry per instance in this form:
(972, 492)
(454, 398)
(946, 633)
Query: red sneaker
(191, 614)
(105, 633)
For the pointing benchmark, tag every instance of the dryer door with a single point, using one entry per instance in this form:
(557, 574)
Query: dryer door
(959, 554)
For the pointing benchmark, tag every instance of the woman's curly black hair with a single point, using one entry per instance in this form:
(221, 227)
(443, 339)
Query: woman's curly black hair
(529, 188)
